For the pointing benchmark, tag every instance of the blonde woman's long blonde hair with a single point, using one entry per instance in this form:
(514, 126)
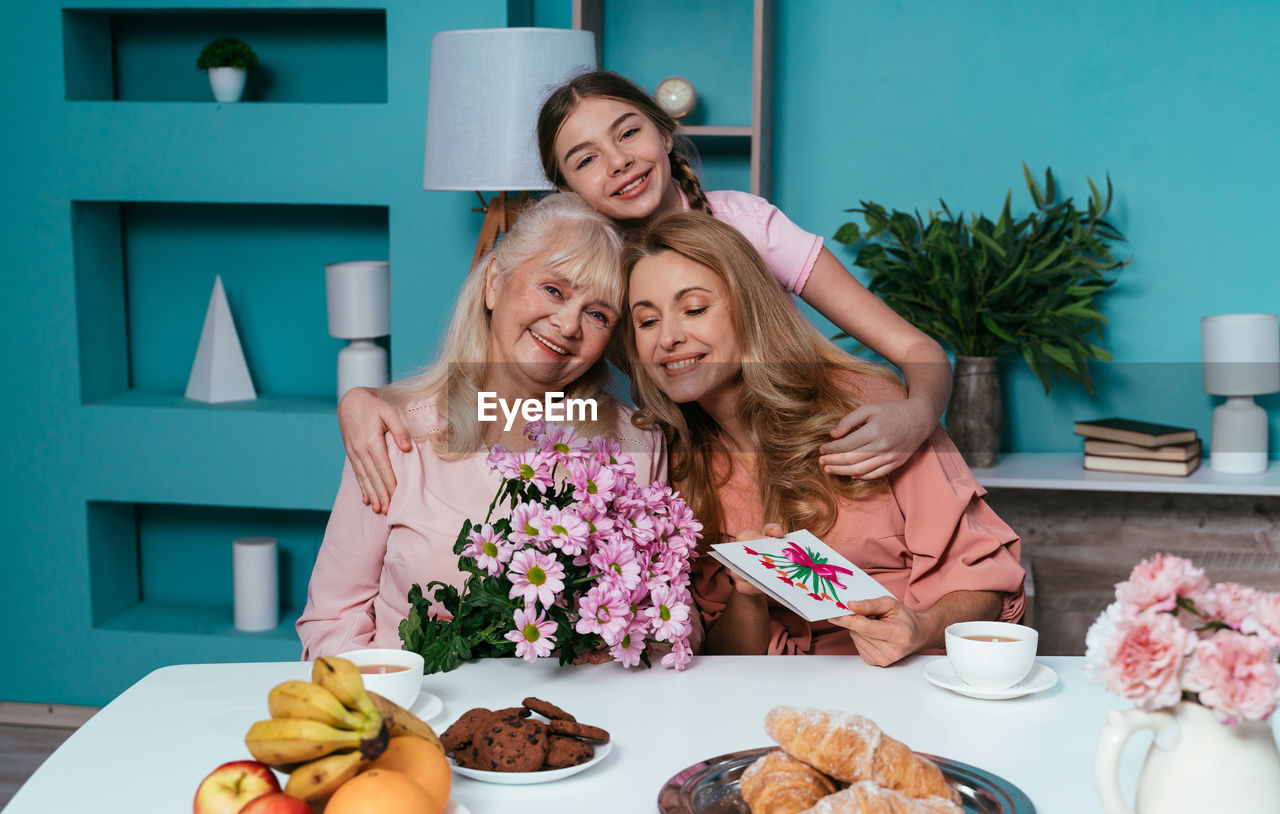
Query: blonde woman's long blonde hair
(565, 234)
(797, 387)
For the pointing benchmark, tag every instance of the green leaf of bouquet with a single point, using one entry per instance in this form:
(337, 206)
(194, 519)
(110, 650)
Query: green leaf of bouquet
(461, 542)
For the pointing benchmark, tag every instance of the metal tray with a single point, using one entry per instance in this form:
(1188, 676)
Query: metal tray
(711, 787)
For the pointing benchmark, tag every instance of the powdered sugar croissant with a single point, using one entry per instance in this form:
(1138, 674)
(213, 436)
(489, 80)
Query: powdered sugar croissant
(868, 798)
(852, 748)
(779, 784)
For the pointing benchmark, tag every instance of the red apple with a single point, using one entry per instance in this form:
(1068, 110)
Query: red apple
(231, 786)
(276, 803)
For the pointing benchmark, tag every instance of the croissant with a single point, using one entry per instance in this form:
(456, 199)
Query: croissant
(868, 798)
(779, 784)
(851, 748)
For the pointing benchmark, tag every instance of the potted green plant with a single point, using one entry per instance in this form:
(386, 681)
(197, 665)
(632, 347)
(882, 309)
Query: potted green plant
(227, 60)
(986, 288)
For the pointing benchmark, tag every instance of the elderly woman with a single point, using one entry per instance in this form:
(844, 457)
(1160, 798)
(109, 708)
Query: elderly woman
(746, 390)
(534, 317)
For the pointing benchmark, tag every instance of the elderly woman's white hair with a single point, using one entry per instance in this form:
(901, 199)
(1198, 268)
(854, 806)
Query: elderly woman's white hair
(581, 245)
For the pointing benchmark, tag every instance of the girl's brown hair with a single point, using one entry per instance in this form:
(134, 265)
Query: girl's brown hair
(797, 387)
(609, 85)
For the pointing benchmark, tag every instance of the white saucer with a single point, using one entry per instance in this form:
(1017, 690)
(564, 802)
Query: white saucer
(1039, 679)
(455, 807)
(427, 706)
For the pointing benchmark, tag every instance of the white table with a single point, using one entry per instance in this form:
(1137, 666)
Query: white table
(149, 748)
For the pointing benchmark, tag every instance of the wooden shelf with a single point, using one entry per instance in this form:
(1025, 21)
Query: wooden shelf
(717, 131)
(1062, 470)
(590, 15)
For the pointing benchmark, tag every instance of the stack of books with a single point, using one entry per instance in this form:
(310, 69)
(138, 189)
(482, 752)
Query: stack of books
(1125, 445)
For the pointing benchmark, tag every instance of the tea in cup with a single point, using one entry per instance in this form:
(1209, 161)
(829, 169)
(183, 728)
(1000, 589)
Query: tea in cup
(394, 674)
(991, 655)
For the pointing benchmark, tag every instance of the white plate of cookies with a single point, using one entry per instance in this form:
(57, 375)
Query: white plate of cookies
(527, 778)
(536, 742)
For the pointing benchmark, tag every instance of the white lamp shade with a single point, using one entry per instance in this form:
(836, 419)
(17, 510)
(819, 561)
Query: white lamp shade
(1240, 354)
(486, 88)
(359, 298)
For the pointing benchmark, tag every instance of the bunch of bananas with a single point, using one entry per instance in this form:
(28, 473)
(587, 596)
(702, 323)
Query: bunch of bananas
(322, 731)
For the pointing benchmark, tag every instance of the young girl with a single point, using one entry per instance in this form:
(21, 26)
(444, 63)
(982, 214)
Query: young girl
(603, 137)
(744, 387)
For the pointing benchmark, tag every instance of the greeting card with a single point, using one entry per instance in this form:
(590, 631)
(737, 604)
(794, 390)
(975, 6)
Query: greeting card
(802, 572)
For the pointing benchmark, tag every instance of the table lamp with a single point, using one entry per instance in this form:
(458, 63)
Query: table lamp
(485, 90)
(358, 294)
(1241, 359)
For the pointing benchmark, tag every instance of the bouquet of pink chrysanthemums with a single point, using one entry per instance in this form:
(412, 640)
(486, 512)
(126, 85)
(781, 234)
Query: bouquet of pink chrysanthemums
(574, 559)
(1170, 636)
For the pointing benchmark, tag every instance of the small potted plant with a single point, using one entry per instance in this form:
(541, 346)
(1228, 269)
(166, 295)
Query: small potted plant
(227, 60)
(987, 288)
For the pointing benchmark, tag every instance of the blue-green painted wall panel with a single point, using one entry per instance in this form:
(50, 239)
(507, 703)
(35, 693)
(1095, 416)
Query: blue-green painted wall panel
(235, 153)
(267, 460)
(706, 41)
(303, 57)
(185, 552)
(271, 260)
(908, 102)
(899, 103)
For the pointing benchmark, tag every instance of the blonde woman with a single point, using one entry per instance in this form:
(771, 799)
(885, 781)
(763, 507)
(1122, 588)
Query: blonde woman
(745, 391)
(535, 316)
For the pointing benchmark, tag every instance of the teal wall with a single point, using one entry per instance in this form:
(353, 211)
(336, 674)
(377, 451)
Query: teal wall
(903, 103)
(126, 191)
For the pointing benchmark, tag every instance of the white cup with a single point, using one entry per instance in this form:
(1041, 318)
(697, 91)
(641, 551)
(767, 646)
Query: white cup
(398, 686)
(991, 655)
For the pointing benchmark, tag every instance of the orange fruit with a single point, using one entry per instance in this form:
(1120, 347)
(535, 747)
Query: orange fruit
(422, 762)
(380, 791)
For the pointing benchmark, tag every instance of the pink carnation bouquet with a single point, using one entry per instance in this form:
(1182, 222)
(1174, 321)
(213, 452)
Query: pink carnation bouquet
(573, 560)
(1171, 636)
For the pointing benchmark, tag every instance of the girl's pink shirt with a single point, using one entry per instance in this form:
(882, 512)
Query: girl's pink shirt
(928, 534)
(789, 251)
(359, 588)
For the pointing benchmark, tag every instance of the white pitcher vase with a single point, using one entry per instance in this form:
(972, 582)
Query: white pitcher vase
(1195, 763)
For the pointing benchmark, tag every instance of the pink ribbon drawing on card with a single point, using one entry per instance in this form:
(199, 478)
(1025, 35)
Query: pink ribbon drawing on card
(824, 570)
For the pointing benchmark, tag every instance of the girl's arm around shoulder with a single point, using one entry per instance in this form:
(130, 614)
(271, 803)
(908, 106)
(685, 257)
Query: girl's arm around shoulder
(366, 421)
(879, 437)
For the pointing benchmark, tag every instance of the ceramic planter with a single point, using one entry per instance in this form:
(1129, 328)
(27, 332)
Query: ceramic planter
(227, 83)
(975, 414)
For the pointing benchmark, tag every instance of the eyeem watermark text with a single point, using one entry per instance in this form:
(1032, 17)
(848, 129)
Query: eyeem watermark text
(553, 407)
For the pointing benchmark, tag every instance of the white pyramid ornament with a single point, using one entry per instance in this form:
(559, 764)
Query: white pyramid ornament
(219, 373)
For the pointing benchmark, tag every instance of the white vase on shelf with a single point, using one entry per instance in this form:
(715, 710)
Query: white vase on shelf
(1195, 763)
(358, 295)
(227, 83)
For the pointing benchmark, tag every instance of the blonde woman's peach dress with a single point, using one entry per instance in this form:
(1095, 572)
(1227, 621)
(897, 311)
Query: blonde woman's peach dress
(928, 534)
